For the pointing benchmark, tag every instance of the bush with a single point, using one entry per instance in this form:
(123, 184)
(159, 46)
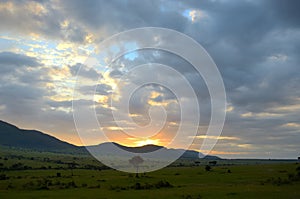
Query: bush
(157, 185)
(17, 166)
(10, 186)
(71, 185)
(29, 185)
(163, 184)
(43, 184)
(94, 187)
(3, 177)
(213, 162)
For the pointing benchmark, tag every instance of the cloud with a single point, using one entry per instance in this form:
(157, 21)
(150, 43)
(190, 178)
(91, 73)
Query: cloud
(10, 61)
(109, 17)
(100, 89)
(39, 18)
(84, 71)
(255, 45)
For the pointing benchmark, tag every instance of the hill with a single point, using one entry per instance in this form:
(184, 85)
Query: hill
(13, 136)
(109, 148)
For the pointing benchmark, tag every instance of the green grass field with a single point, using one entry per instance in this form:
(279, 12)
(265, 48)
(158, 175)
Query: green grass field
(49, 176)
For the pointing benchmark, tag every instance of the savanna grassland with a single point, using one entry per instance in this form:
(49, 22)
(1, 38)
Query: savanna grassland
(28, 174)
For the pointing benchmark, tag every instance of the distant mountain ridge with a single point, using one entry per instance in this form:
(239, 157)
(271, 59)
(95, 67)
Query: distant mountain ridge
(110, 147)
(12, 136)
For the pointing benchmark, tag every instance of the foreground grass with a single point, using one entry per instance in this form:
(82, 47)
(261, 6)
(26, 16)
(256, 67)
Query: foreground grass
(246, 181)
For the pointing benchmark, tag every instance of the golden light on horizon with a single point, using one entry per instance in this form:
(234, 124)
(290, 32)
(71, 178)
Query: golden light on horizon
(135, 142)
(147, 141)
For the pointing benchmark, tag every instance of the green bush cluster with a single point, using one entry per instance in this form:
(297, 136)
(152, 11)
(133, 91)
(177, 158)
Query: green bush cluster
(291, 177)
(145, 186)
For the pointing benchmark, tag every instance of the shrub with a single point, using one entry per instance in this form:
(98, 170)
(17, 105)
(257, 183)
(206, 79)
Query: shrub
(3, 177)
(162, 184)
(139, 186)
(213, 162)
(43, 184)
(17, 166)
(94, 187)
(71, 185)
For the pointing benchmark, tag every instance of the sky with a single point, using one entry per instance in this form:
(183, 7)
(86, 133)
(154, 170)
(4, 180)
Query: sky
(255, 45)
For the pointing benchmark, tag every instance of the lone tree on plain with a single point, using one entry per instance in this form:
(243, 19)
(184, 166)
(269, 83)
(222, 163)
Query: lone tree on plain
(72, 165)
(136, 161)
(207, 168)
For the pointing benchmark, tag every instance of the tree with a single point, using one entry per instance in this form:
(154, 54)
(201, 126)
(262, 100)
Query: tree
(72, 166)
(136, 161)
(207, 168)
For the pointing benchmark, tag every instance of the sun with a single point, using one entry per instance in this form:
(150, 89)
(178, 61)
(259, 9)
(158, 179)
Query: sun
(147, 142)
